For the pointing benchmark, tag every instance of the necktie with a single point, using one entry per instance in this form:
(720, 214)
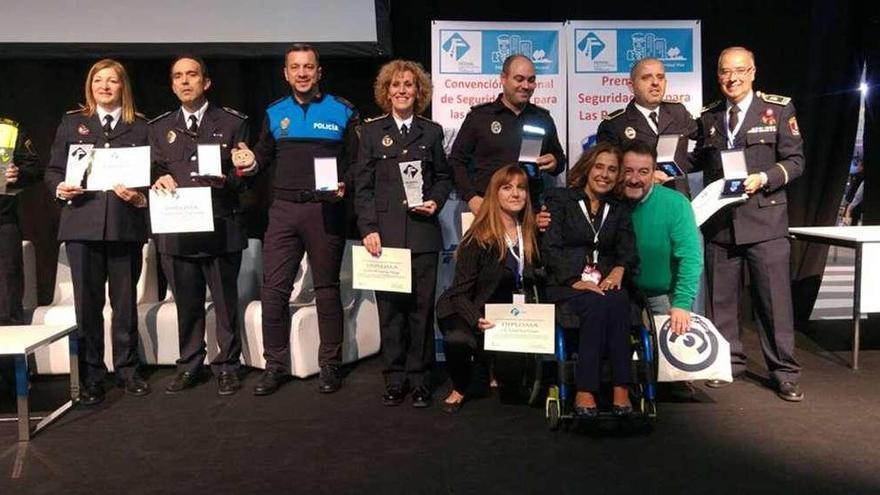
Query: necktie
(108, 119)
(733, 119)
(653, 117)
(404, 130)
(193, 124)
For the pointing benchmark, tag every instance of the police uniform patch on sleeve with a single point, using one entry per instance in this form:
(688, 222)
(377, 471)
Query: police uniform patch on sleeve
(615, 114)
(793, 126)
(775, 99)
(235, 112)
(160, 117)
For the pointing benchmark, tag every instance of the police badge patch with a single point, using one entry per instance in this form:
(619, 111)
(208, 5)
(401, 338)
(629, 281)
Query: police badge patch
(387, 141)
(495, 127)
(83, 130)
(630, 133)
(171, 137)
(793, 126)
(285, 123)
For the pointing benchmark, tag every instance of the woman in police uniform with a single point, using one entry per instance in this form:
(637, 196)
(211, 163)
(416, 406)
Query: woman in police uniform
(387, 219)
(104, 231)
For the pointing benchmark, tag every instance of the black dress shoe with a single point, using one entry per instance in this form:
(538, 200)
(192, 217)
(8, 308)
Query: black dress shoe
(394, 395)
(790, 391)
(717, 383)
(228, 383)
(135, 385)
(329, 380)
(421, 397)
(91, 394)
(182, 381)
(586, 412)
(621, 411)
(452, 407)
(270, 382)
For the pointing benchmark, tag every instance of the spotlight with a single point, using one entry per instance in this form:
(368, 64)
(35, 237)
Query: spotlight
(863, 87)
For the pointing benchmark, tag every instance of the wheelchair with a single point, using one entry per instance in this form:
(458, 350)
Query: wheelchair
(559, 402)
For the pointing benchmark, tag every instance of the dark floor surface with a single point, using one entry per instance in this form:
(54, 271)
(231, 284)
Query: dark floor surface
(740, 439)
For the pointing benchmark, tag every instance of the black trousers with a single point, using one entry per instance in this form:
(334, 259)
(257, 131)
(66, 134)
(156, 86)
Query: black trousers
(466, 361)
(296, 229)
(11, 275)
(94, 264)
(769, 272)
(188, 277)
(406, 323)
(605, 328)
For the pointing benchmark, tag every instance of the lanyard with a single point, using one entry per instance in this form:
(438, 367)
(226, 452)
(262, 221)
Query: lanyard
(605, 209)
(520, 258)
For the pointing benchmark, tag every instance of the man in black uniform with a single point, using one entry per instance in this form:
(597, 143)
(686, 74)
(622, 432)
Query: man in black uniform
(298, 131)
(491, 135)
(20, 159)
(647, 117)
(753, 233)
(192, 261)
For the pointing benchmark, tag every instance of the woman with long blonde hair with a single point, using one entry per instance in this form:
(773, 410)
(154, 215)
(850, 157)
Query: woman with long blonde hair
(494, 261)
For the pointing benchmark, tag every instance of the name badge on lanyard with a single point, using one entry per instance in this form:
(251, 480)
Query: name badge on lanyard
(518, 255)
(591, 271)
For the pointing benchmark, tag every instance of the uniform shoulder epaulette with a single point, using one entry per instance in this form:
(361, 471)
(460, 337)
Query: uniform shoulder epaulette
(235, 112)
(160, 117)
(482, 105)
(75, 110)
(710, 106)
(6, 121)
(279, 100)
(775, 99)
(373, 119)
(426, 119)
(344, 101)
(615, 114)
(140, 116)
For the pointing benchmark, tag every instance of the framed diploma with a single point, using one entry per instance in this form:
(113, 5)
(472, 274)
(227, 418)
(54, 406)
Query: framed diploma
(111, 166)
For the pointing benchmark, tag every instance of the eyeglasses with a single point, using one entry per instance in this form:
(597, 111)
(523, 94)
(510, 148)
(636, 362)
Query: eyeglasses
(739, 72)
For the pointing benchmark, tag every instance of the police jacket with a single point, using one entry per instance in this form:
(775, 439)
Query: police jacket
(294, 134)
(96, 215)
(772, 144)
(175, 152)
(380, 198)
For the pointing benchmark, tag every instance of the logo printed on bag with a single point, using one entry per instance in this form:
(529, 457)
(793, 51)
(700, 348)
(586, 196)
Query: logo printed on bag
(694, 351)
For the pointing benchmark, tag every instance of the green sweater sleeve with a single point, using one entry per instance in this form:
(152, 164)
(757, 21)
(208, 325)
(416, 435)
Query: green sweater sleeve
(687, 255)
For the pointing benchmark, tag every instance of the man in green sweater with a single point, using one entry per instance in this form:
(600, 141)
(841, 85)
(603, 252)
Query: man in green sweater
(667, 239)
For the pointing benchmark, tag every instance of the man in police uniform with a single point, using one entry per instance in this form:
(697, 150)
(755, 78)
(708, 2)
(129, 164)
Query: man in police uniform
(491, 135)
(297, 130)
(647, 117)
(192, 261)
(752, 234)
(21, 170)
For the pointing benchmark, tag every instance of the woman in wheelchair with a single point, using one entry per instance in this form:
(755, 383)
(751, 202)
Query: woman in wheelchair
(494, 261)
(589, 248)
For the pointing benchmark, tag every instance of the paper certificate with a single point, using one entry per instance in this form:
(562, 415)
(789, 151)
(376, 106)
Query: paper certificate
(467, 219)
(391, 271)
(127, 166)
(733, 163)
(710, 201)
(521, 328)
(325, 174)
(411, 174)
(79, 156)
(188, 209)
(209, 160)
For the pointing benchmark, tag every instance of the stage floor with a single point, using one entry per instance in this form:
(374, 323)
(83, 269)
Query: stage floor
(740, 439)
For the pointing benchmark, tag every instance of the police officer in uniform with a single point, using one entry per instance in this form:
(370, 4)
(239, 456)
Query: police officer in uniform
(297, 129)
(104, 231)
(647, 117)
(22, 170)
(194, 261)
(385, 219)
(491, 135)
(752, 235)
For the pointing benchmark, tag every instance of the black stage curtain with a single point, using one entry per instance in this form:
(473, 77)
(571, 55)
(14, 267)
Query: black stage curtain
(809, 50)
